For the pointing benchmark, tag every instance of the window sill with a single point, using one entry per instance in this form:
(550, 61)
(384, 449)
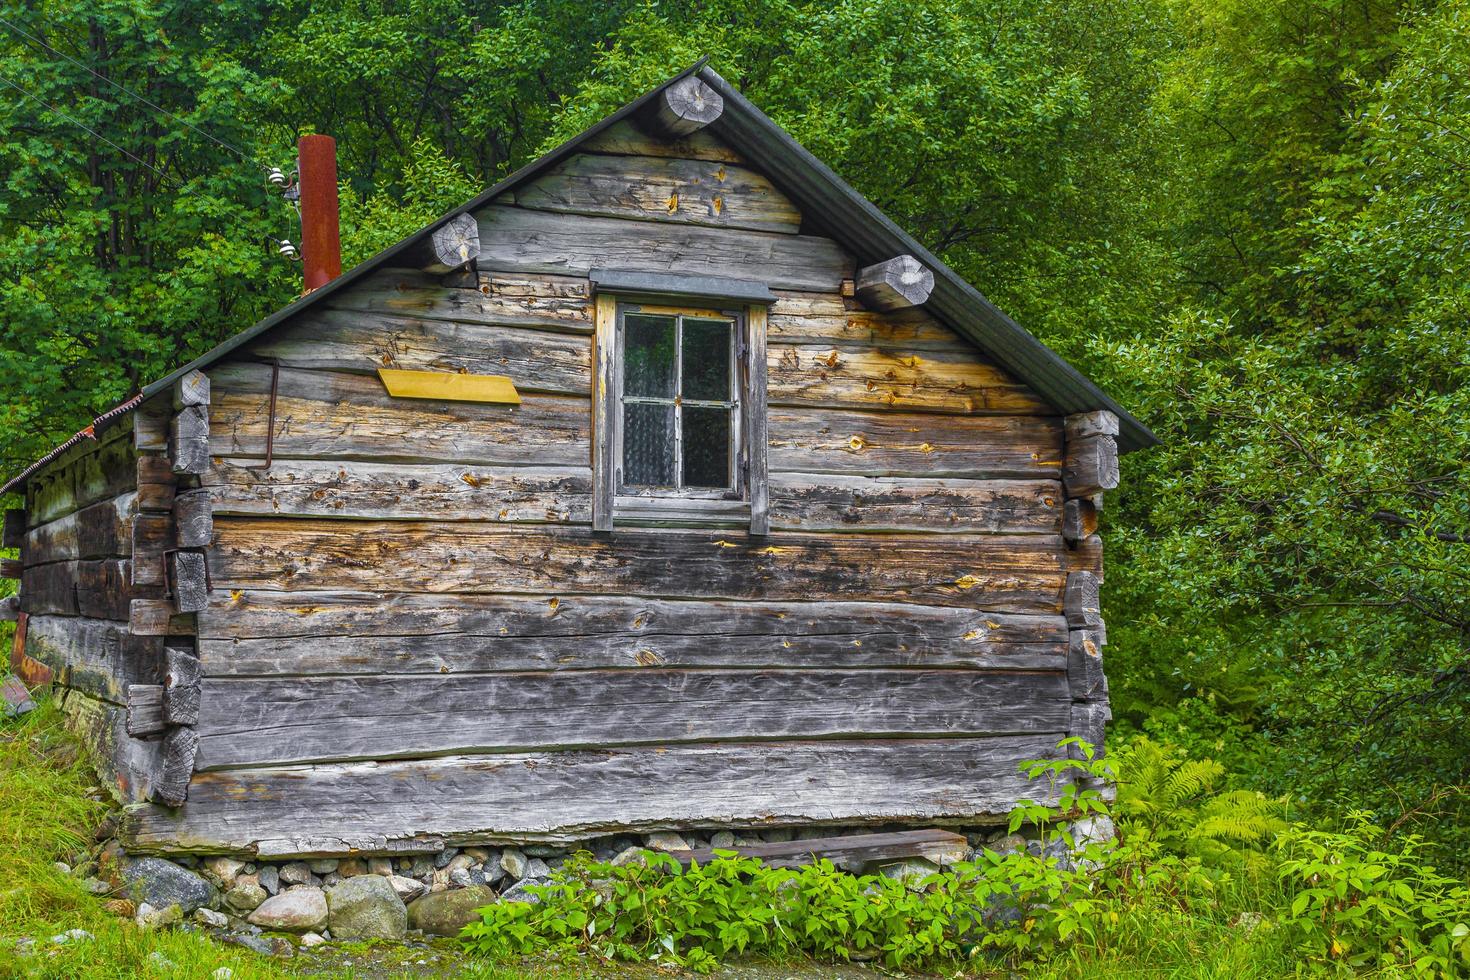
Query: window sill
(638, 511)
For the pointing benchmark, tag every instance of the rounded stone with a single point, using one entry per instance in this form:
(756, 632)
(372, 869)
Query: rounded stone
(366, 907)
(446, 913)
(246, 895)
(301, 909)
(162, 883)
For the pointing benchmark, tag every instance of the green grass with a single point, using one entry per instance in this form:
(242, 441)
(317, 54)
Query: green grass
(46, 815)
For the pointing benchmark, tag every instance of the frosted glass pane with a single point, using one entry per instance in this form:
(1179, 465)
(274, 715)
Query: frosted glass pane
(707, 360)
(648, 445)
(706, 447)
(648, 355)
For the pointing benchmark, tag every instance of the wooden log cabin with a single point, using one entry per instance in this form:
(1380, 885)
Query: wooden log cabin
(666, 484)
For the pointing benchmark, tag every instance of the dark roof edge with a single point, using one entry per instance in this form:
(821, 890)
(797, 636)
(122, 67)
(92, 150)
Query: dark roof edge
(957, 302)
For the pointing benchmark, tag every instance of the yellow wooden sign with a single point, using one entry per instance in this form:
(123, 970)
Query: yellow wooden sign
(448, 386)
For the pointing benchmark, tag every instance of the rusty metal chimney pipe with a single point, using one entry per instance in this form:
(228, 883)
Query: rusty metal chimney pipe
(321, 243)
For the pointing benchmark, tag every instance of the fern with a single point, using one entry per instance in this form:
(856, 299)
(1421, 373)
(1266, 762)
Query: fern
(1182, 804)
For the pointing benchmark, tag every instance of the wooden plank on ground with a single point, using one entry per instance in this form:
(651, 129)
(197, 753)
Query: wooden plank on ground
(571, 796)
(853, 852)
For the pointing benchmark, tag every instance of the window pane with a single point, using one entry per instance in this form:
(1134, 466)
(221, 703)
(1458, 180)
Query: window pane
(648, 355)
(648, 445)
(707, 359)
(706, 447)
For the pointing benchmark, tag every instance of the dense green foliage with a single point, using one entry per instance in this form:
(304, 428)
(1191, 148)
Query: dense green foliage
(1310, 898)
(1246, 218)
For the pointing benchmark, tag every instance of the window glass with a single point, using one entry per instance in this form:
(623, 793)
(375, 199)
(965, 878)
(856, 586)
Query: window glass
(706, 447)
(707, 346)
(648, 445)
(649, 356)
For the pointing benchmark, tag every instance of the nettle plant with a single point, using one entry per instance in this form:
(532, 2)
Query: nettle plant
(1009, 905)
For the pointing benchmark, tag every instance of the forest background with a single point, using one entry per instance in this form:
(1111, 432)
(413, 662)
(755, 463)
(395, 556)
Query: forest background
(1246, 219)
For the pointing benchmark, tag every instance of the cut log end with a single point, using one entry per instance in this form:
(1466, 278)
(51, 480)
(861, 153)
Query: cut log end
(686, 106)
(894, 284)
(452, 246)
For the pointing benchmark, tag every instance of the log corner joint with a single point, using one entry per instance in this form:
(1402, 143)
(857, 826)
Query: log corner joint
(894, 284)
(686, 106)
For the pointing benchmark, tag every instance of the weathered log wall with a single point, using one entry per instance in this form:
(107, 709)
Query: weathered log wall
(406, 603)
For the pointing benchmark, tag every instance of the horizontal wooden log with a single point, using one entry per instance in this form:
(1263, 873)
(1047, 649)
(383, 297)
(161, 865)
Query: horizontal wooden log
(99, 589)
(1079, 519)
(97, 471)
(339, 340)
(1085, 666)
(854, 853)
(546, 242)
(1005, 573)
(698, 192)
(1082, 602)
(833, 502)
(189, 440)
(102, 530)
(623, 137)
(181, 686)
(247, 721)
(190, 390)
(262, 633)
(193, 519)
(323, 415)
(830, 318)
(96, 656)
(11, 568)
(453, 245)
(1085, 425)
(126, 767)
(145, 710)
(157, 617)
(915, 444)
(894, 284)
(570, 796)
(437, 491)
(157, 483)
(506, 299)
(1090, 466)
(929, 381)
(685, 106)
(14, 532)
(179, 749)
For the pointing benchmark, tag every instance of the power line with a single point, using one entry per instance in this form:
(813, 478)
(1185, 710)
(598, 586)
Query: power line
(61, 54)
(82, 125)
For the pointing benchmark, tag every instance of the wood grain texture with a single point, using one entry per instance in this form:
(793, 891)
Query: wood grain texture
(569, 796)
(924, 381)
(1085, 666)
(188, 440)
(145, 710)
(915, 444)
(1090, 466)
(832, 502)
(831, 318)
(545, 242)
(153, 535)
(100, 589)
(193, 519)
(181, 686)
(623, 137)
(504, 298)
(157, 482)
(894, 284)
(435, 491)
(685, 106)
(91, 473)
(126, 767)
(337, 340)
(650, 188)
(180, 746)
(248, 722)
(96, 656)
(263, 634)
(324, 415)
(102, 530)
(1006, 573)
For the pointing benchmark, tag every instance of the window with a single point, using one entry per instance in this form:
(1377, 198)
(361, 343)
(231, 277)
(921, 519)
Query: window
(679, 400)
(680, 421)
